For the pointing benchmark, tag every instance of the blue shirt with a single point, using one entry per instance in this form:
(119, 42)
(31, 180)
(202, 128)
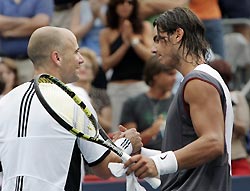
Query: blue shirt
(91, 39)
(17, 47)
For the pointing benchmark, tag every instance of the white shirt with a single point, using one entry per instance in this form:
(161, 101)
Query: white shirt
(35, 151)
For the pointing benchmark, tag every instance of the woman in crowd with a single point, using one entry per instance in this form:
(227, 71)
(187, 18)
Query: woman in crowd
(125, 47)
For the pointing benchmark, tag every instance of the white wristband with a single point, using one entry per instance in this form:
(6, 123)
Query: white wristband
(149, 152)
(165, 163)
(125, 145)
(135, 41)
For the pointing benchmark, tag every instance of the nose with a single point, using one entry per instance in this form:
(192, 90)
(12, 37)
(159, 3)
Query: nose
(81, 58)
(153, 49)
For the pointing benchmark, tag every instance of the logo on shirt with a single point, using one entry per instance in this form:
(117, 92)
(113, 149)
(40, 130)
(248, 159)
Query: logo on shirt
(162, 158)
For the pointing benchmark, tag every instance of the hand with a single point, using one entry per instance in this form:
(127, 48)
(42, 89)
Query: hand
(119, 134)
(127, 32)
(155, 128)
(141, 166)
(134, 138)
(7, 34)
(95, 8)
(130, 134)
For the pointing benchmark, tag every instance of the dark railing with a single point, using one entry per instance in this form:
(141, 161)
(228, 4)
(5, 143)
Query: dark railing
(238, 184)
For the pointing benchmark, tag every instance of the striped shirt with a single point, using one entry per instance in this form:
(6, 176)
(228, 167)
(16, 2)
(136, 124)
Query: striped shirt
(36, 153)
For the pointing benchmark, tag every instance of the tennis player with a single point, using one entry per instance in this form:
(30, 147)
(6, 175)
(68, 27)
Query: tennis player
(196, 150)
(35, 152)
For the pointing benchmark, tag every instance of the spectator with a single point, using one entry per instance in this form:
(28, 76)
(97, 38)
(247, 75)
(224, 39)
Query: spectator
(147, 112)
(237, 53)
(9, 75)
(210, 14)
(240, 164)
(62, 13)
(125, 47)
(99, 98)
(18, 19)
(88, 18)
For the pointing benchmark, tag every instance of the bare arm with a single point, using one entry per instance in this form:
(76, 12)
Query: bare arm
(150, 132)
(8, 23)
(76, 27)
(27, 28)
(81, 29)
(150, 8)
(102, 169)
(105, 118)
(143, 49)
(208, 121)
(110, 60)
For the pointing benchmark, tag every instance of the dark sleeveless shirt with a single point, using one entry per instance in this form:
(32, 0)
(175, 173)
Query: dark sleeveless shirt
(130, 67)
(212, 176)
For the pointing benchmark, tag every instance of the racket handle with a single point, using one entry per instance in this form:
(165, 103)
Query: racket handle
(153, 181)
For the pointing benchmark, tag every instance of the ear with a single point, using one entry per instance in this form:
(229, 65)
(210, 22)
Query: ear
(179, 34)
(55, 58)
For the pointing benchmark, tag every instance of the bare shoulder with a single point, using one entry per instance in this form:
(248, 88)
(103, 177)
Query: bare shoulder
(199, 90)
(108, 35)
(104, 35)
(77, 6)
(104, 32)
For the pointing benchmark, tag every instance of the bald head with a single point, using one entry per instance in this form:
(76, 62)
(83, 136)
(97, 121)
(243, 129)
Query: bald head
(45, 40)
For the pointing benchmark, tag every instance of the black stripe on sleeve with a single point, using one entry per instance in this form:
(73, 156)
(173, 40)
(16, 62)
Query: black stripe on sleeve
(99, 160)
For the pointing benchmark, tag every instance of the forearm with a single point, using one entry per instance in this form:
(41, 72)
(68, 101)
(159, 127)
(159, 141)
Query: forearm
(148, 134)
(27, 28)
(105, 123)
(198, 152)
(115, 58)
(7, 23)
(150, 8)
(102, 169)
(142, 51)
(81, 30)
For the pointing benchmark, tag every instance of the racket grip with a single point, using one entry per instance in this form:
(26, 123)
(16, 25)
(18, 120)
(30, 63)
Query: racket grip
(153, 181)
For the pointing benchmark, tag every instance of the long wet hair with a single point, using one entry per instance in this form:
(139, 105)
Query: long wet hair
(193, 39)
(113, 18)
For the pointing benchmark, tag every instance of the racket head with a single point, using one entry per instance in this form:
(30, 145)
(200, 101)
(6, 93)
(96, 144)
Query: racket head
(65, 106)
(69, 111)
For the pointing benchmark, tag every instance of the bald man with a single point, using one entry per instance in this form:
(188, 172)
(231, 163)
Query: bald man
(37, 154)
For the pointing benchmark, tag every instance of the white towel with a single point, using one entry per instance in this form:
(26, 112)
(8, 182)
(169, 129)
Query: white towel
(132, 183)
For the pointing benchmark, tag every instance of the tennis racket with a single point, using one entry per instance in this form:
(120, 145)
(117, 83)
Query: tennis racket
(72, 113)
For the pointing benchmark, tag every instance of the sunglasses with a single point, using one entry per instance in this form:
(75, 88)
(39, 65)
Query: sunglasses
(126, 1)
